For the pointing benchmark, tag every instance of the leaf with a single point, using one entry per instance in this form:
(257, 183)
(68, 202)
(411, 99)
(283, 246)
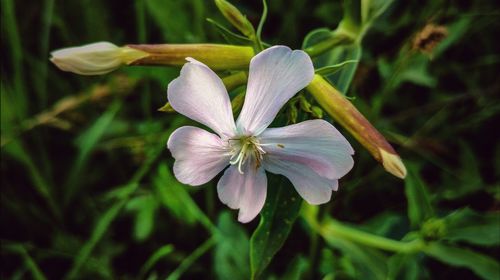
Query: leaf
(370, 263)
(145, 207)
(371, 10)
(277, 218)
(86, 143)
(297, 269)
(482, 265)
(229, 36)
(174, 20)
(352, 18)
(332, 69)
(338, 55)
(405, 267)
(175, 197)
(231, 251)
(470, 179)
(100, 229)
(154, 258)
(473, 227)
(419, 205)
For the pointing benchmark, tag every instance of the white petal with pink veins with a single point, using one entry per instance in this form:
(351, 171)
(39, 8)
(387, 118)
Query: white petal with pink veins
(311, 187)
(199, 94)
(314, 143)
(276, 74)
(199, 155)
(246, 191)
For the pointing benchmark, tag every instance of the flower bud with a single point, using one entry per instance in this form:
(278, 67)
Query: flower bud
(342, 110)
(317, 112)
(236, 18)
(215, 56)
(94, 59)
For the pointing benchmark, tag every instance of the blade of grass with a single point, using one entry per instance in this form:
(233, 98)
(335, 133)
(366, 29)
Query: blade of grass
(41, 75)
(30, 264)
(86, 143)
(154, 258)
(9, 25)
(106, 219)
(187, 262)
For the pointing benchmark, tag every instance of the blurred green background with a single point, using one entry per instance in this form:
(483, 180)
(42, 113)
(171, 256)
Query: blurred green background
(87, 190)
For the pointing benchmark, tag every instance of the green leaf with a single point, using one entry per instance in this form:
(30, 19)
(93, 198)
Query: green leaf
(369, 263)
(372, 9)
(154, 258)
(229, 36)
(100, 229)
(405, 267)
(180, 21)
(145, 207)
(352, 19)
(86, 143)
(338, 55)
(419, 205)
(470, 179)
(277, 218)
(175, 197)
(473, 227)
(332, 69)
(231, 251)
(297, 269)
(482, 265)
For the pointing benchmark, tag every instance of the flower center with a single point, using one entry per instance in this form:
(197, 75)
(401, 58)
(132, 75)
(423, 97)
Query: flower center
(244, 148)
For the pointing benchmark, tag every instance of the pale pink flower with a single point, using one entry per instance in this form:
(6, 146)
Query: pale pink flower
(312, 154)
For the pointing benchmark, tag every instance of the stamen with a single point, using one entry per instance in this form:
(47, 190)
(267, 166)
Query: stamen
(246, 147)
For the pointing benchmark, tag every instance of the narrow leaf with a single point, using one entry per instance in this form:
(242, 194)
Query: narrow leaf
(472, 227)
(482, 265)
(277, 218)
(419, 205)
(231, 251)
(332, 69)
(154, 258)
(229, 36)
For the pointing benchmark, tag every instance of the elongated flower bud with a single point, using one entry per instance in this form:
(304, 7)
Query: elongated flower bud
(103, 57)
(215, 56)
(94, 59)
(235, 17)
(342, 110)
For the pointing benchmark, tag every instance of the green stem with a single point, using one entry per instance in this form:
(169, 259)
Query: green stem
(187, 262)
(336, 39)
(334, 229)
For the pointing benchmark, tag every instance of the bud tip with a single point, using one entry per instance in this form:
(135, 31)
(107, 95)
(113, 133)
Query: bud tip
(393, 164)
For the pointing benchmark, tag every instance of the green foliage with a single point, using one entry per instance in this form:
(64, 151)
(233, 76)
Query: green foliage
(419, 205)
(472, 227)
(231, 251)
(90, 194)
(339, 56)
(277, 218)
(482, 265)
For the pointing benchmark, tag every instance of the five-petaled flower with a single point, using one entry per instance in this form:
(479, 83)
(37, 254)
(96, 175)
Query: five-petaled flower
(312, 154)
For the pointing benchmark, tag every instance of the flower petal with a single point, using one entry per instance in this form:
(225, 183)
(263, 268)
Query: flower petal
(246, 191)
(314, 143)
(199, 94)
(199, 155)
(276, 74)
(311, 187)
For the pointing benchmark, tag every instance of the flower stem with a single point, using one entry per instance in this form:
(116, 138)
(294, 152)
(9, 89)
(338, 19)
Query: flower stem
(334, 229)
(336, 39)
(187, 262)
